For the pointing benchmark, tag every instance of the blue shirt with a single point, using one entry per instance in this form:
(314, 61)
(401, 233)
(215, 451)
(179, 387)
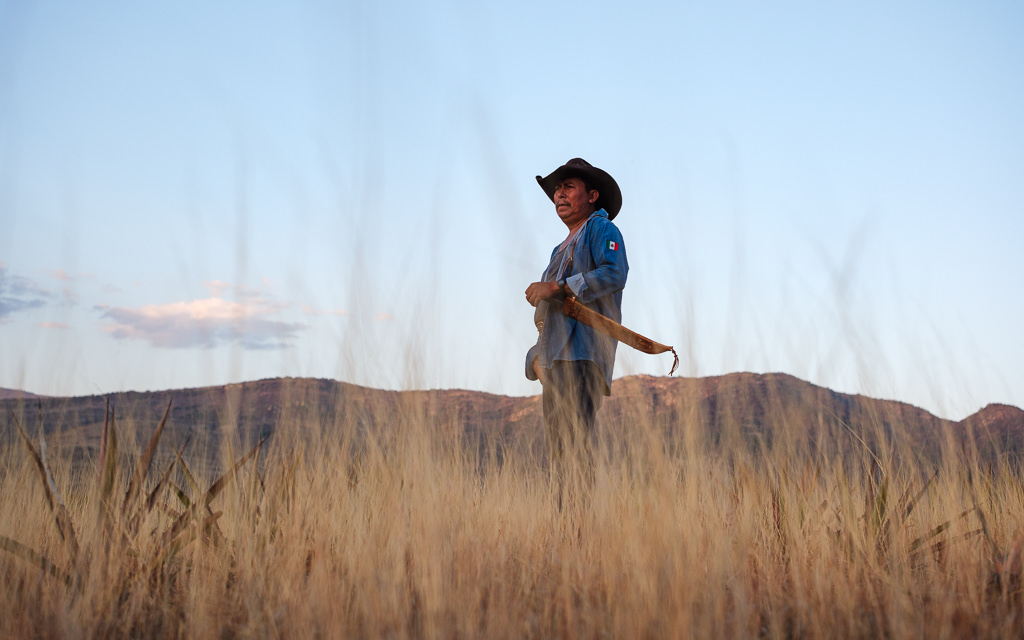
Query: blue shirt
(596, 276)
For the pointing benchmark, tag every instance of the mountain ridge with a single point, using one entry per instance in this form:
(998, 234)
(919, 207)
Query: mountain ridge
(755, 411)
(17, 394)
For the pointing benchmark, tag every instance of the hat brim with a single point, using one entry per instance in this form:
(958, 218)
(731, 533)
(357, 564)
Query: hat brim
(609, 195)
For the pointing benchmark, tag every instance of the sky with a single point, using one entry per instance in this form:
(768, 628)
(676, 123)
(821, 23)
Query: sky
(198, 193)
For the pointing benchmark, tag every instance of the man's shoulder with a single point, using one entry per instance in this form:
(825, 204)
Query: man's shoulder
(600, 225)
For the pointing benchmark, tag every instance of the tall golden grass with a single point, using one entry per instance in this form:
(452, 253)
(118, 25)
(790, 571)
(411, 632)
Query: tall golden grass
(407, 533)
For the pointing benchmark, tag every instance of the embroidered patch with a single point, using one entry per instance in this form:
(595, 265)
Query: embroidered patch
(614, 246)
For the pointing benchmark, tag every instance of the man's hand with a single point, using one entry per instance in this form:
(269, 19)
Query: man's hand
(541, 291)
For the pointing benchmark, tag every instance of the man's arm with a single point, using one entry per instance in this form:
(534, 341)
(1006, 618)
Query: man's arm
(538, 291)
(611, 267)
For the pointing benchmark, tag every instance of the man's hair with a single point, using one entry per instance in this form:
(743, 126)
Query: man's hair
(589, 186)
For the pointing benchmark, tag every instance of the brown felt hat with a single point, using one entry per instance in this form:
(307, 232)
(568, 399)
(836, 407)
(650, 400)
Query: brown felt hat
(609, 197)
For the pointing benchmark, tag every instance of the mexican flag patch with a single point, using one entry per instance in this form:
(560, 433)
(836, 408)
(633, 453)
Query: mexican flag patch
(614, 246)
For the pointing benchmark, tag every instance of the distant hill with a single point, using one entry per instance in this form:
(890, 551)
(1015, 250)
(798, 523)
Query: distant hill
(15, 394)
(763, 411)
(739, 412)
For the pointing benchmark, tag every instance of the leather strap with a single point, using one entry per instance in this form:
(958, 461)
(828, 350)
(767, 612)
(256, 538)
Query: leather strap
(575, 309)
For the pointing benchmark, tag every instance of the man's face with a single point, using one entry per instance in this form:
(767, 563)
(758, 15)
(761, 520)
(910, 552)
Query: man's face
(573, 202)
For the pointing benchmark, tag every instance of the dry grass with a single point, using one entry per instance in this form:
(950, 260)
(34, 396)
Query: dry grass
(415, 537)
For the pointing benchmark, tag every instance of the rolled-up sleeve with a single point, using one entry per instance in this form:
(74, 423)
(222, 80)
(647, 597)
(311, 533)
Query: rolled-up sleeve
(576, 283)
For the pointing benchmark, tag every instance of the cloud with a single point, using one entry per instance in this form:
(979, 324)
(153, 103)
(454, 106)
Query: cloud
(217, 288)
(310, 311)
(384, 316)
(205, 323)
(52, 325)
(69, 297)
(60, 274)
(18, 293)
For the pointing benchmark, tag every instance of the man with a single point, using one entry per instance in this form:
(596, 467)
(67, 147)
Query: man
(572, 360)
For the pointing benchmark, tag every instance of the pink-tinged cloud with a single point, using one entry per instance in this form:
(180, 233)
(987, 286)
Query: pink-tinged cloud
(60, 274)
(311, 311)
(217, 288)
(69, 297)
(206, 323)
(384, 316)
(52, 325)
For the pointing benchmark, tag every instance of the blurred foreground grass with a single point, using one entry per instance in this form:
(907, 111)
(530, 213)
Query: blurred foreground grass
(411, 533)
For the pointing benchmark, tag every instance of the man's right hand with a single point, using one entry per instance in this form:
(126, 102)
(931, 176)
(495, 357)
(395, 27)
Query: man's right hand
(538, 291)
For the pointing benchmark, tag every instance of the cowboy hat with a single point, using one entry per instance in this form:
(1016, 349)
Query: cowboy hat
(609, 198)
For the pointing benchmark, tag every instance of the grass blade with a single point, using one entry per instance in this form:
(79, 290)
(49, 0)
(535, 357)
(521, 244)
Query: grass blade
(151, 501)
(33, 557)
(108, 457)
(189, 477)
(142, 469)
(35, 459)
(211, 493)
(908, 507)
(103, 437)
(60, 510)
(222, 481)
(181, 495)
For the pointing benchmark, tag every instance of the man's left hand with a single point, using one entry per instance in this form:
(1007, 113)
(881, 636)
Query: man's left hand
(541, 291)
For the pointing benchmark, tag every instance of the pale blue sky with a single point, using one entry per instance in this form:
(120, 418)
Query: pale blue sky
(832, 191)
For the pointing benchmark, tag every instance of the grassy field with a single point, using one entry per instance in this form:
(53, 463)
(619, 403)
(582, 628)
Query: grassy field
(413, 536)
